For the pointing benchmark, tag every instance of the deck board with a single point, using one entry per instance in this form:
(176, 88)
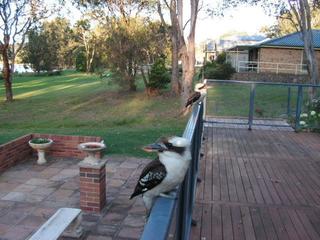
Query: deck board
(258, 184)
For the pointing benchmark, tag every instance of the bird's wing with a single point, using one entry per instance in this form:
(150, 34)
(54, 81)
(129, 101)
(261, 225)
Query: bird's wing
(193, 98)
(151, 176)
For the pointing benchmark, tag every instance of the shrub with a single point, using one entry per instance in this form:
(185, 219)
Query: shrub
(40, 140)
(215, 70)
(159, 75)
(310, 119)
(81, 65)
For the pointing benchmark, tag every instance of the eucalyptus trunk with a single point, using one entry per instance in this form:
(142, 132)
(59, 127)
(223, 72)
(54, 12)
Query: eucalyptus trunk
(188, 66)
(175, 78)
(175, 39)
(7, 72)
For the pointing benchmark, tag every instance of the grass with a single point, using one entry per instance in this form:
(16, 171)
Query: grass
(233, 100)
(80, 104)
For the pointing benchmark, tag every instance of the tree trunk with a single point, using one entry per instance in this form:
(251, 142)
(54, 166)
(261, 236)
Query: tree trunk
(175, 38)
(311, 62)
(188, 63)
(175, 80)
(187, 51)
(7, 75)
(132, 85)
(306, 29)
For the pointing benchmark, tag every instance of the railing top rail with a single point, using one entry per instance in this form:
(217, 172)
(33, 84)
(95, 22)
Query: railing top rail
(279, 63)
(161, 215)
(262, 83)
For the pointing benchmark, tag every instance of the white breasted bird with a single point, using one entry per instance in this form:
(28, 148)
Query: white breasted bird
(165, 172)
(200, 91)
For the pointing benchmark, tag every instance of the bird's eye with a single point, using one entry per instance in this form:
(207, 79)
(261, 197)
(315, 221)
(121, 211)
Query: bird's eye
(169, 145)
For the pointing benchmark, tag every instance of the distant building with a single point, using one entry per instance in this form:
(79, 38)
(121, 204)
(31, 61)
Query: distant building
(214, 47)
(280, 55)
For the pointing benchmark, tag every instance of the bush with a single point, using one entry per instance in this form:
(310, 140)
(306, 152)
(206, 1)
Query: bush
(81, 64)
(215, 70)
(221, 58)
(159, 76)
(310, 119)
(54, 73)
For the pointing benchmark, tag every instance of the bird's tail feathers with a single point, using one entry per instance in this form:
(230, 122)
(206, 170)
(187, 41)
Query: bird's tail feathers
(183, 112)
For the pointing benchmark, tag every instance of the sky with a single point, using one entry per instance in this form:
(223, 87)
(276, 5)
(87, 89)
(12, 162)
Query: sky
(242, 19)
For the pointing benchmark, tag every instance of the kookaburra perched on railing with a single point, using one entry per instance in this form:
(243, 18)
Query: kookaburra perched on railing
(200, 91)
(165, 172)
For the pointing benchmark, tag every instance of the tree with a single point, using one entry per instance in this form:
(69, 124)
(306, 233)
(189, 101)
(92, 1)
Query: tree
(16, 18)
(35, 50)
(131, 41)
(182, 48)
(87, 39)
(49, 46)
(157, 78)
(130, 44)
(287, 23)
(299, 11)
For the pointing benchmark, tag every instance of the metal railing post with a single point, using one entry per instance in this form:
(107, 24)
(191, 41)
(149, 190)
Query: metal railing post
(251, 109)
(298, 108)
(289, 102)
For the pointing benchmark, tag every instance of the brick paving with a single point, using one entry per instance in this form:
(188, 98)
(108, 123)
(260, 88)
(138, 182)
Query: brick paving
(30, 194)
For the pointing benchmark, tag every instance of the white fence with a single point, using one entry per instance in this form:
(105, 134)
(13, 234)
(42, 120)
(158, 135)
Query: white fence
(271, 67)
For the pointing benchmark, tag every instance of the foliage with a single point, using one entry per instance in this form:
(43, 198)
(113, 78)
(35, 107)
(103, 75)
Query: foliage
(311, 118)
(219, 69)
(49, 46)
(287, 23)
(131, 44)
(221, 58)
(40, 140)
(86, 40)
(159, 76)
(16, 18)
(80, 58)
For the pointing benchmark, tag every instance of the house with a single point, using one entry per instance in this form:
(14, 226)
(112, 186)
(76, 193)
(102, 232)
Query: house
(214, 47)
(280, 55)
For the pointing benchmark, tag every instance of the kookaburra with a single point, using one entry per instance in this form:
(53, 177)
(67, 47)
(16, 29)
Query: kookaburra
(165, 172)
(200, 91)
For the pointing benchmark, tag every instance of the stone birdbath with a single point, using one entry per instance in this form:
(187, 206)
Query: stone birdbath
(41, 144)
(91, 148)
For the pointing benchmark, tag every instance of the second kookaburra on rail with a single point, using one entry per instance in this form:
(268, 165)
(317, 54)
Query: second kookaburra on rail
(200, 91)
(165, 172)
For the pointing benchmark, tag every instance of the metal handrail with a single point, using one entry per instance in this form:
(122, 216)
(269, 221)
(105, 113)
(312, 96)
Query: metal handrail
(274, 66)
(253, 85)
(163, 210)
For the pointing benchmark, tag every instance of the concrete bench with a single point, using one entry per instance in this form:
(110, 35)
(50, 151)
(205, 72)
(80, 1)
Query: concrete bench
(65, 222)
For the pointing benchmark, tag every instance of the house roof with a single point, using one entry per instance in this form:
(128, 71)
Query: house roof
(293, 40)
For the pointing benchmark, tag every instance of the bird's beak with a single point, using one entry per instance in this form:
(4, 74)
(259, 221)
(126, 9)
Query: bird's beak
(155, 147)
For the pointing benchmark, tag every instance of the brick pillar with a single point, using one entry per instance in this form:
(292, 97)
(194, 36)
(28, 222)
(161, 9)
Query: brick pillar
(92, 186)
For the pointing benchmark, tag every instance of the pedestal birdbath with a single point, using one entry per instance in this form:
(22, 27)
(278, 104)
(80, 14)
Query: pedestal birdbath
(91, 148)
(40, 144)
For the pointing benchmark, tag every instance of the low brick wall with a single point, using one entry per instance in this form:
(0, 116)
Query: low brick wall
(270, 77)
(66, 145)
(17, 150)
(14, 152)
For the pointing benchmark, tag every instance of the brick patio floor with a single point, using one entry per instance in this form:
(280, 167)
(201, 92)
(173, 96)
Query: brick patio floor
(30, 194)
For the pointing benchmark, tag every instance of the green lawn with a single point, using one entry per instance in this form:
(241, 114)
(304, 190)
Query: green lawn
(233, 100)
(76, 103)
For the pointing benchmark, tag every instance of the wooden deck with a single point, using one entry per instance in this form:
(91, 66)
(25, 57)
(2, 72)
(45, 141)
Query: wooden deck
(258, 185)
